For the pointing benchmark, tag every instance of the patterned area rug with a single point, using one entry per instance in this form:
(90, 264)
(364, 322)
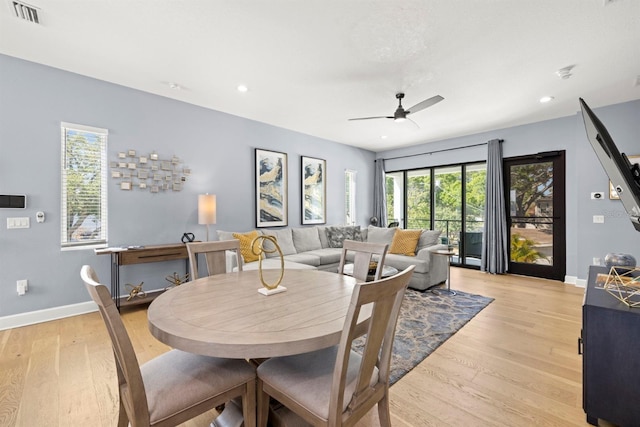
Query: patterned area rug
(426, 321)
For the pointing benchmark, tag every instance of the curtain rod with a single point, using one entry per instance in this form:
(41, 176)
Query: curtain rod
(437, 151)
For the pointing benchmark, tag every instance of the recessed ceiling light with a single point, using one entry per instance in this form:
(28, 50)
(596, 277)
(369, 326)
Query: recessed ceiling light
(546, 99)
(383, 136)
(175, 86)
(242, 88)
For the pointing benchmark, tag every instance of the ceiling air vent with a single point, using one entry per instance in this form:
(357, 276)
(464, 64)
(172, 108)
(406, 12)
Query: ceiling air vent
(25, 11)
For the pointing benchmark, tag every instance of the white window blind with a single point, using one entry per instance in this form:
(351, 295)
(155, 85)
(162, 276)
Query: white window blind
(350, 197)
(84, 185)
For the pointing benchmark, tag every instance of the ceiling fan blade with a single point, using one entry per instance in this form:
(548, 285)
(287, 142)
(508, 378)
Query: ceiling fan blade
(424, 104)
(369, 118)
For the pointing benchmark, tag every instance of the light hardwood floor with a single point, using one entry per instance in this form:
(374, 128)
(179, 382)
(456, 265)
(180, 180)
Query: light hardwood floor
(514, 364)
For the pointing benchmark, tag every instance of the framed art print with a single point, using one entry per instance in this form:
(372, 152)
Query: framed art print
(314, 190)
(271, 188)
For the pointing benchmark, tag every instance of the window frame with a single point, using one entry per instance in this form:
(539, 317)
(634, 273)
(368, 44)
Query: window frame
(100, 136)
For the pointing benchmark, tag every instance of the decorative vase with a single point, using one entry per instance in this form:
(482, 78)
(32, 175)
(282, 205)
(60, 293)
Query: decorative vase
(614, 259)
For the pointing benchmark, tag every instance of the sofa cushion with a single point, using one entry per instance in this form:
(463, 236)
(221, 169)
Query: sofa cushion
(322, 235)
(380, 235)
(304, 258)
(428, 238)
(284, 239)
(245, 245)
(402, 261)
(405, 242)
(328, 255)
(228, 235)
(306, 239)
(337, 234)
(274, 264)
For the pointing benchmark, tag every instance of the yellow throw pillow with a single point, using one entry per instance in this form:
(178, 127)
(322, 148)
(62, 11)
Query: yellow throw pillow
(405, 242)
(245, 245)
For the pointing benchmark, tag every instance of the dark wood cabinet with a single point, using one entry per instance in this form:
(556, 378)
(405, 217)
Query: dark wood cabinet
(611, 356)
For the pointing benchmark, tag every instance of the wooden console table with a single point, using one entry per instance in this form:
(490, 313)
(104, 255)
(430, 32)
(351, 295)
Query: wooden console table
(126, 256)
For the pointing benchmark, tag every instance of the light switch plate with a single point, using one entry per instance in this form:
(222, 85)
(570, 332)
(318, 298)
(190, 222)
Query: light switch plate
(598, 219)
(18, 222)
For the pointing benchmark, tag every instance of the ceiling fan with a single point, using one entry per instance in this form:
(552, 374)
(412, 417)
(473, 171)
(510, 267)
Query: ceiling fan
(401, 114)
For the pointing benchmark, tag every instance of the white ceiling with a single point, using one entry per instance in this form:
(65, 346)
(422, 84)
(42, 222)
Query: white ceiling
(312, 64)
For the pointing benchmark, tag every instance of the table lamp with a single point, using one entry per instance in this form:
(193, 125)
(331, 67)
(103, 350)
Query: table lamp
(207, 210)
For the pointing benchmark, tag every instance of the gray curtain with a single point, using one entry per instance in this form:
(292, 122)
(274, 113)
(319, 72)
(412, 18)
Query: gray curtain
(379, 194)
(494, 243)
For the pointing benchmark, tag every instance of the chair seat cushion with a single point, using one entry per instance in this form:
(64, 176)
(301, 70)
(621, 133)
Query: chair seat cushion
(308, 376)
(177, 380)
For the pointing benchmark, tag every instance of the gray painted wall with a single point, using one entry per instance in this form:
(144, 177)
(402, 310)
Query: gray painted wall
(219, 149)
(585, 240)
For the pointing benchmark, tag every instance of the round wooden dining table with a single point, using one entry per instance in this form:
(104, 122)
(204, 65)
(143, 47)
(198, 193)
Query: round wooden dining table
(224, 315)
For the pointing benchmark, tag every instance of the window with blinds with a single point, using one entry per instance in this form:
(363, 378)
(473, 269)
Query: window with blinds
(84, 185)
(350, 197)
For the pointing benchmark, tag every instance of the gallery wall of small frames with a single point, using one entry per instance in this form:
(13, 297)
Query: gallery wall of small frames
(148, 172)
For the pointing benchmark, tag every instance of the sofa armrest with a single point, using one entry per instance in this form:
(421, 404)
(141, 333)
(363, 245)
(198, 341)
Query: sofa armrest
(438, 264)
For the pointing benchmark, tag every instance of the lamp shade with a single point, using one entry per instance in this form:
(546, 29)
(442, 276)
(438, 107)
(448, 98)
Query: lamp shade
(206, 209)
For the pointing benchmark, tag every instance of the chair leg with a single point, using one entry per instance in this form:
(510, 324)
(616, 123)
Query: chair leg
(249, 404)
(123, 419)
(383, 411)
(263, 405)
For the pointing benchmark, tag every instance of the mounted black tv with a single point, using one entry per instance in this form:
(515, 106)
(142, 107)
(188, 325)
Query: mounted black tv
(624, 176)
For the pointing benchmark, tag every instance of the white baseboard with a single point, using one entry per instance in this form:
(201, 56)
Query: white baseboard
(39, 316)
(573, 280)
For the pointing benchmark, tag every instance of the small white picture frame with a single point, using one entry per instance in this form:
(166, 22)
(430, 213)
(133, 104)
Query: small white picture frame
(126, 174)
(131, 153)
(122, 164)
(154, 167)
(186, 171)
(122, 155)
(175, 160)
(125, 185)
(142, 185)
(177, 187)
(131, 165)
(157, 177)
(116, 174)
(143, 174)
(154, 188)
(166, 166)
(143, 159)
(153, 156)
(113, 164)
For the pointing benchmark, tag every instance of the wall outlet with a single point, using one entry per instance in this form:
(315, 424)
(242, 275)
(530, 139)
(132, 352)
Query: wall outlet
(598, 219)
(23, 287)
(597, 261)
(597, 195)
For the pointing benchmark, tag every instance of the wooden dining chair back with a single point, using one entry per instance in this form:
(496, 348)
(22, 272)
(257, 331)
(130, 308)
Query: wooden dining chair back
(215, 255)
(173, 387)
(337, 386)
(364, 254)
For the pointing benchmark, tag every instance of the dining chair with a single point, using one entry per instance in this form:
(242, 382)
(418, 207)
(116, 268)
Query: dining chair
(214, 254)
(337, 386)
(175, 386)
(364, 253)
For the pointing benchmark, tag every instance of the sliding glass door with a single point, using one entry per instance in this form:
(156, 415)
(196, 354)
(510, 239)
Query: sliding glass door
(446, 198)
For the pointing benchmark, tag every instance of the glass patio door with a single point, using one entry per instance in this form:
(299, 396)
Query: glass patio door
(536, 214)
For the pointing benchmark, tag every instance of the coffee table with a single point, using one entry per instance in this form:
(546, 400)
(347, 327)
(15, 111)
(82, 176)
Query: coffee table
(387, 271)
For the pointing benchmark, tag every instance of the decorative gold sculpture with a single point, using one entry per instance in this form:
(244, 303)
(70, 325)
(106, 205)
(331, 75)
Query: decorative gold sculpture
(176, 280)
(257, 247)
(136, 291)
(624, 284)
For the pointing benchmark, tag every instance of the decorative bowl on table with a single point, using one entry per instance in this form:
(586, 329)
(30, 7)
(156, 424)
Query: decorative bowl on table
(614, 259)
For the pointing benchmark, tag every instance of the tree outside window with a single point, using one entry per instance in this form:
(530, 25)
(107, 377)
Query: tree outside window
(84, 185)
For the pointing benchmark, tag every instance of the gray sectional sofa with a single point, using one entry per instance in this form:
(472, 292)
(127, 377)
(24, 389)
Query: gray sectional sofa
(319, 247)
